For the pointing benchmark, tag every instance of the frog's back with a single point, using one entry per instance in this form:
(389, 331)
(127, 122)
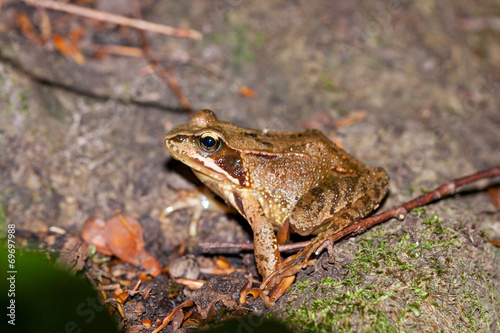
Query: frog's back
(291, 165)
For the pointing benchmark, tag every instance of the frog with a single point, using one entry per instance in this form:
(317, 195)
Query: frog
(280, 182)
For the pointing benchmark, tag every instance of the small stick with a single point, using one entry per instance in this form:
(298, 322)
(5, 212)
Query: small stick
(399, 212)
(186, 304)
(116, 19)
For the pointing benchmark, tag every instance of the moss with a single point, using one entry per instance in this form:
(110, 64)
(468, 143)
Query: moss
(243, 40)
(400, 281)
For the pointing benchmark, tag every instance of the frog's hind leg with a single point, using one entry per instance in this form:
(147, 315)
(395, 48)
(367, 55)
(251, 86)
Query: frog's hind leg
(339, 203)
(335, 204)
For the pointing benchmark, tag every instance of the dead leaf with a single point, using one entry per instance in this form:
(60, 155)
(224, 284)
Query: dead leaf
(190, 283)
(219, 266)
(26, 26)
(68, 49)
(93, 234)
(352, 118)
(247, 92)
(222, 263)
(76, 35)
(123, 235)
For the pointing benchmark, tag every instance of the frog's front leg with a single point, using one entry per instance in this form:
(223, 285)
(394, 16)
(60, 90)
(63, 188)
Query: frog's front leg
(267, 255)
(327, 209)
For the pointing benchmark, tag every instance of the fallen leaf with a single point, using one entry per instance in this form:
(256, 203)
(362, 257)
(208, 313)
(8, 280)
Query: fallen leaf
(146, 323)
(352, 118)
(93, 234)
(190, 283)
(222, 263)
(247, 92)
(123, 235)
(75, 35)
(68, 49)
(25, 25)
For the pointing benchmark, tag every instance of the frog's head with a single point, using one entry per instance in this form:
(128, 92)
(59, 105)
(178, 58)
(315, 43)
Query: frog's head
(202, 144)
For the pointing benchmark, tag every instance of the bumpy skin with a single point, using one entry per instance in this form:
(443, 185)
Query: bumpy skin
(279, 181)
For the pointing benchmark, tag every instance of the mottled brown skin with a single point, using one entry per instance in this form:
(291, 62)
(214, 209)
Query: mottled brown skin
(279, 181)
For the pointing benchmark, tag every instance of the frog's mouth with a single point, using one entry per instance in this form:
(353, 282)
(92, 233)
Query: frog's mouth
(211, 172)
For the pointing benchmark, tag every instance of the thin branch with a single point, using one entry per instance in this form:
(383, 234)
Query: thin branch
(116, 19)
(399, 212)
(186, 304)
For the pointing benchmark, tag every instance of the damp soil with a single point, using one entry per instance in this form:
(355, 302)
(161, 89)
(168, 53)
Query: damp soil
(80, 141)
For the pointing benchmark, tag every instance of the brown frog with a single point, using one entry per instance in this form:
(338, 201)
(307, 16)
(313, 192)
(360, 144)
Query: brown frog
(280, 182)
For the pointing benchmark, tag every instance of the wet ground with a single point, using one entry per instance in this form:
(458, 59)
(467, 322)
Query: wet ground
(83, 141)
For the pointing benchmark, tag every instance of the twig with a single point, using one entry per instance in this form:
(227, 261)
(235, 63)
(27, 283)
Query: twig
(167, 74)
(116, 19)
(185, 304)
(399, 212)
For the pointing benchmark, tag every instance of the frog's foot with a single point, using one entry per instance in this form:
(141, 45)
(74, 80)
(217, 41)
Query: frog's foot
(268, 296)
(248, 289)
(328, 244)
(278, 282)
(196, 201)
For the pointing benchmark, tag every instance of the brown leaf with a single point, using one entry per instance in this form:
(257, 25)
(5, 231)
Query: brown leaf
(75, 35)
(222, 263)
(146, 323)
(190, 283)
(352, 118)
(247, 92)
(148, 262)
(123, 235)
(25, 25)
(68, 49)
(93, 234)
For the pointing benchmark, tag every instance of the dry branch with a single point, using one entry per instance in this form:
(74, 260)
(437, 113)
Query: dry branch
(116, 19)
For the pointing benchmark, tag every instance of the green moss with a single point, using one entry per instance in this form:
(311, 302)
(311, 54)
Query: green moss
(327, 81)
(419, 211)
(397, 282)
(24, 101)
(243, 40)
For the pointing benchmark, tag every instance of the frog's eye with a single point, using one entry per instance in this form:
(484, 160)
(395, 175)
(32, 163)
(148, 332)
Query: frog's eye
(209, 142)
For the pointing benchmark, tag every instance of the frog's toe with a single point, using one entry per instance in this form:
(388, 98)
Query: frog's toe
(280, 289)
(248, 289)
